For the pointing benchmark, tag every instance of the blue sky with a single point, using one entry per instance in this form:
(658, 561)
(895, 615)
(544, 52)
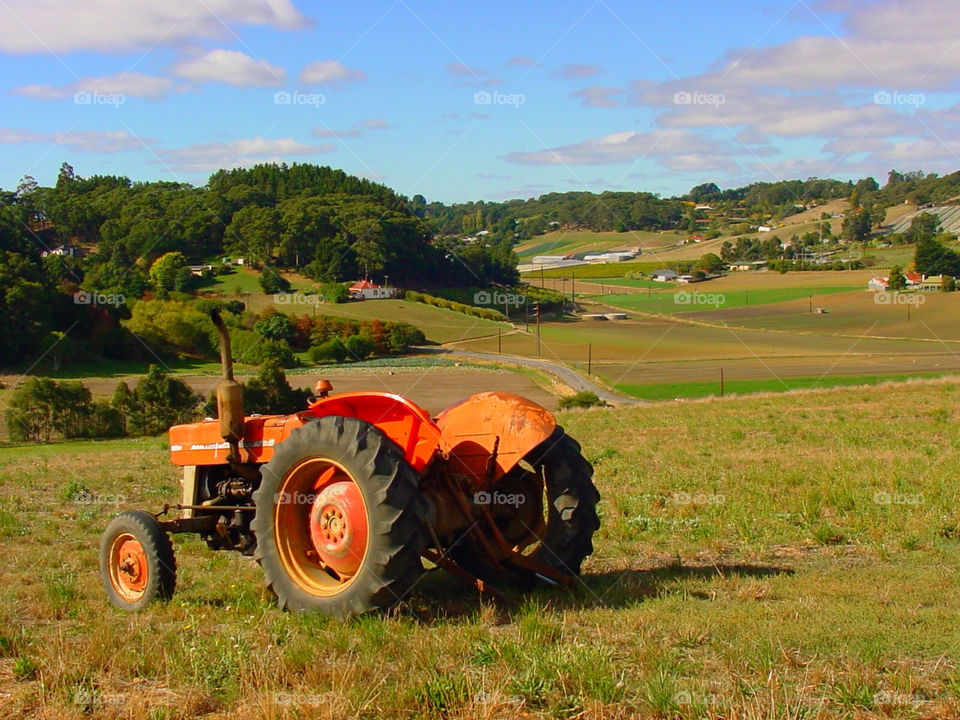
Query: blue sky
(479, 100)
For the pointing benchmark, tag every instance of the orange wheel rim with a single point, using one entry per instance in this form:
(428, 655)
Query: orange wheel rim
(321, 526)
(129, 569)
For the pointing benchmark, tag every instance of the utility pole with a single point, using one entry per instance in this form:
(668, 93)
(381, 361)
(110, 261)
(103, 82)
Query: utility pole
(573, 286)
(721, 381)
(536, 312)
(499, 346)
(541, 278)
(589, 358)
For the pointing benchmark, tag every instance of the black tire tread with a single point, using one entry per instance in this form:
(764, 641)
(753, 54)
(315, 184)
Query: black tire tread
(157, 546)
(395, 506)
(569, 479)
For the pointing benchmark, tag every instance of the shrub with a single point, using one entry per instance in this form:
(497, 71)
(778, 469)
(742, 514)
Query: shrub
(270, 393)
(334, 293)
(157, 402)
(172, 326)
(333, 350)
(252, 349)
(271, 282)
(401, 336)
(486, 313)
(358, 347)
(276, 327)
(42, 409)
(582, 399)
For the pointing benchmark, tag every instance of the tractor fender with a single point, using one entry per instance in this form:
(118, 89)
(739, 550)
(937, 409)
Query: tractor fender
(486, 435)
(401, 420)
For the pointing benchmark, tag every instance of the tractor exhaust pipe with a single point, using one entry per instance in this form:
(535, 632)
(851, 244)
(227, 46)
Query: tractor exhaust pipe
(229, 393)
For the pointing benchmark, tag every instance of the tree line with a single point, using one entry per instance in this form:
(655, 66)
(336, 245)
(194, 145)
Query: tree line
(45, 410)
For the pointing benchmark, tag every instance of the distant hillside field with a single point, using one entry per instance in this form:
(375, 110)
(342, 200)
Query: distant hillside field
(438, 324)
(563, 242)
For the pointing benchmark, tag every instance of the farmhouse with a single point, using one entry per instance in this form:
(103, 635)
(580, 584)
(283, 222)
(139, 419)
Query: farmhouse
(199, 269)
(664, 275)
(65, 250)
(914, 279)
(366, 290)
(745, 265)
(931, 282)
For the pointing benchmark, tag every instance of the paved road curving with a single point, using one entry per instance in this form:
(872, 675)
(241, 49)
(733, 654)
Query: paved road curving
(565, 374)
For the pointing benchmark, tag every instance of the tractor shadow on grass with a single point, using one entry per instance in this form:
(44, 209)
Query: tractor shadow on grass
(442, 597)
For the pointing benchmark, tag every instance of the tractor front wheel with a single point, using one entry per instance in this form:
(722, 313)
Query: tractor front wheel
(137, 564)
(339, 519)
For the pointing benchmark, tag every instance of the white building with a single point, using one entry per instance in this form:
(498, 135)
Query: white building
(366, 290)
(665, 275)
(609, 257)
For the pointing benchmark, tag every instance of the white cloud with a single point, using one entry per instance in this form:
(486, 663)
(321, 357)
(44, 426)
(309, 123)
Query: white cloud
(865, 96)
(472, 76)
(328, 133)
(597, 96)
(673, 148)
(330, 72)
(522, 61)
(231, 67)
(213, 156)
(358, 130)
(96, 141)
(28, 26)
(131, 84)
(460, 69)
(577, 70)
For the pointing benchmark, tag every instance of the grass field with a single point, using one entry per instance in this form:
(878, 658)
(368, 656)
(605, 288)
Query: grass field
(688, 390)
(761, 328)
(438, 324)
(243, 280)
(561, 242)
(701, 296)
(786, 556)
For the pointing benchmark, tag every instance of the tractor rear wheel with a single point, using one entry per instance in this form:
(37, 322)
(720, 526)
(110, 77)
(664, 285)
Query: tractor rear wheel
(137, 564)
(339, 519)
(564, 538)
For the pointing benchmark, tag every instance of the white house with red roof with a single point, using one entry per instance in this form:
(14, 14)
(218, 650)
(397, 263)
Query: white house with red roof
(367, 290)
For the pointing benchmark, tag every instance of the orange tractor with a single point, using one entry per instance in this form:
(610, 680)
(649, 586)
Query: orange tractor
(341, 503)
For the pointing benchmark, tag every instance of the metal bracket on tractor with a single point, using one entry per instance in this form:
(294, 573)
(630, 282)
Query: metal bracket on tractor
(341, 503)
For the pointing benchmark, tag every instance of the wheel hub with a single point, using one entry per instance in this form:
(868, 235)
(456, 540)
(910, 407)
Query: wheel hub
(338, 527)
(131, 565)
